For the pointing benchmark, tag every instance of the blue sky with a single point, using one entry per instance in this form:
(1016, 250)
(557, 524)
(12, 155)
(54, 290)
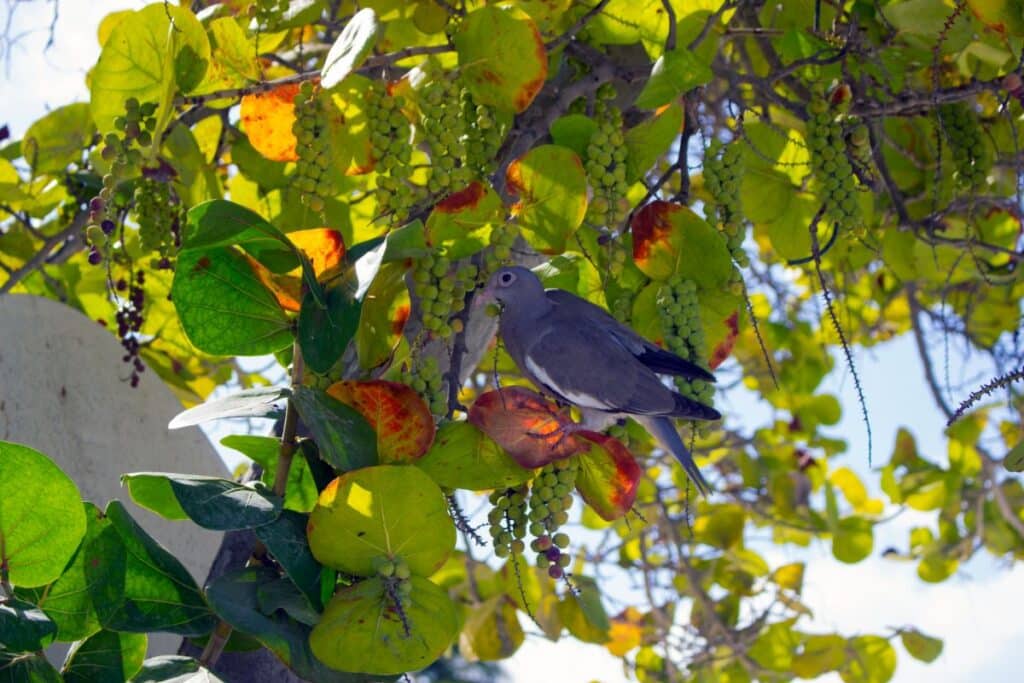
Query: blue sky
(977, 611)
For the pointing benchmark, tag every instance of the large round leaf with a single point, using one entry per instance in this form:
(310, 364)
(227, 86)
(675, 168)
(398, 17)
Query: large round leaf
(149, 59)
(670, 239)
(224, 307)
(398, 415)
(57, 139)
(461, 223)
(502, 55)
(463, 457)
(609, 475)
(105, 657)
(41, 516)
(362, 631)
(529, 428)
(552, 187)
(384, 511)
(267, 118)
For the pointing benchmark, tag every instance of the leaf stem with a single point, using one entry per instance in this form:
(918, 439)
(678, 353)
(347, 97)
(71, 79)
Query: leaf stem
(291, 419)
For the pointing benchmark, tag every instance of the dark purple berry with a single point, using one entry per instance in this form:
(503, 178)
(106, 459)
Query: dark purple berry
(555, 572)
(140, 277)
(552, 554)
(95, 257)
(107, 225)
(135, 383)
(121, 285)
(96, 204)
(165, 263)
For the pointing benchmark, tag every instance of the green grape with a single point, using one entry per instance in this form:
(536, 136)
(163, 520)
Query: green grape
(445, 132)
(550, 499)
(970, 153)
(606, 167)
(679, 315)
(392, 150)
(831, 167)
(314, 149)
(723, 172)
(506, 520)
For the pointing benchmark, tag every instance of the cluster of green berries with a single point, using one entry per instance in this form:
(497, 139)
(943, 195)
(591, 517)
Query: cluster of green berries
(831, 167)
(679, 314)
(123, 150)
(314, 149)
(550, 500)
(444, 129)
(503, 238)
(426, 379)
(606, 165)
(618, 256)
(159, 214)
(392, 149)
(723, 173)
(442, 292)
(484, 136)
(970, 154)
(508, 520)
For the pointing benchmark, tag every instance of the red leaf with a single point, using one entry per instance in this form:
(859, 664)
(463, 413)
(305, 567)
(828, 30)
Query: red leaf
(404, 426)
(529, 427)
(609, 475)
(724, 347)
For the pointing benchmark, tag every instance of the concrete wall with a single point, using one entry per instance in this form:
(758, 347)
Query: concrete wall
(64, 392)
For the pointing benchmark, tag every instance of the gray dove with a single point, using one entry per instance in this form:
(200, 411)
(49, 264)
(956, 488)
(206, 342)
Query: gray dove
(579, 354)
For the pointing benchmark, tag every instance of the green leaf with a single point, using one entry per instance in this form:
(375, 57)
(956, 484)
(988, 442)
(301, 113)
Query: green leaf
(105, 657)
(670, 239)
(819, 655)
(609, 475)
(173, 669)
(1014, 460)
(285, 596)
(255, 402)
(502, 57)
(24, 627)
(648, 141)
(147, 58)
(220, 223)
(27, 669)
(57, 139)
(325, 331)
(234, 58)
(583, 614)
(153, 491)
(346, 440)
(463, 457)
(774, 646)
(492, 631)
(351, 48)
(137, 586)
(675, 72)
(873, 660)
(285, 539)
(224, 307)
(341, 639)
(391, 511)
(574, 131)
(920, 646)
(461, 223)
(552, 186)
(300, 490)
(383, 315)
(235, 597)
(67, 600)
(852, 540)
(222, 504)
(722, 527)
(37, 501)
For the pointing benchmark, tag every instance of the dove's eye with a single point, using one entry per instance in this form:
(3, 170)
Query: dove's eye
(507, 278)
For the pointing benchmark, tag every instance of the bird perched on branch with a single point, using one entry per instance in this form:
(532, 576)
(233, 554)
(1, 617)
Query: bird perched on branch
(577, 353)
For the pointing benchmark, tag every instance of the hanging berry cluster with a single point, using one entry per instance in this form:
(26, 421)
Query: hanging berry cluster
(681, 327)
(392, 150)
(970, 153)
(314, 148)
(723, 173)
(830, 166)
(129, 322)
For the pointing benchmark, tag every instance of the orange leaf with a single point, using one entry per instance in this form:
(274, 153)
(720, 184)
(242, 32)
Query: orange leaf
(609, 475)
(404, 425)
(626, 632)
(267, 119)
(287, 289)
(530, 428)
(324, 247)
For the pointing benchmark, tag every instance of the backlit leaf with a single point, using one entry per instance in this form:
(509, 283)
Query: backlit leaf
(267, 119)
(649, 140)
(383, 315)
(105, 657)
(351, 48)
(463, 457)
(608, 475)
(492, 631)
(345, 439)
(399, 417)
(461, 223)
(525, 425)
(552, 189)
(670, 239)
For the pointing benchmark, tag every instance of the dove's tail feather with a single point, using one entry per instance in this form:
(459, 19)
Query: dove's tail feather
(667, 363)
(687, 408)
(664, 432)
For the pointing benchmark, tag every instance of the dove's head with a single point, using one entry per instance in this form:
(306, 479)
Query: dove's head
(513, 287)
